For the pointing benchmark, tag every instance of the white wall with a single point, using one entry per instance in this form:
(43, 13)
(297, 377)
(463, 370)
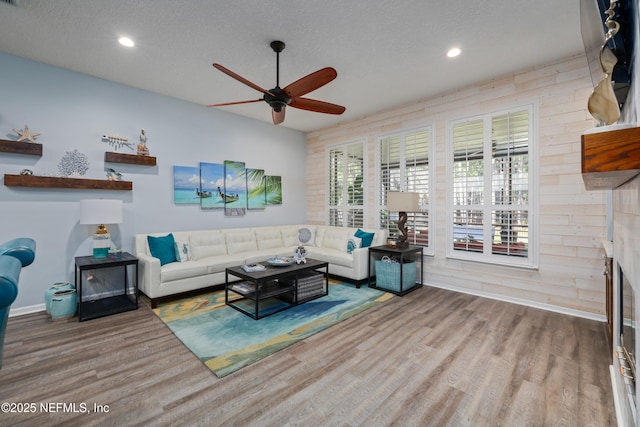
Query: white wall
(72, 111)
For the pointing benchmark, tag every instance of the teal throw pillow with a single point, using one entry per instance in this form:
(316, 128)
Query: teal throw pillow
(163, 248)
(367, 238)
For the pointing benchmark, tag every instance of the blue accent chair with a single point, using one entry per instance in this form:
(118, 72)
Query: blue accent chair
(14, 255)
(22, 248)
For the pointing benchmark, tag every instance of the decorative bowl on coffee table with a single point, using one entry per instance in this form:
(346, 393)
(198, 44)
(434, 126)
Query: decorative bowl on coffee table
(280, 261)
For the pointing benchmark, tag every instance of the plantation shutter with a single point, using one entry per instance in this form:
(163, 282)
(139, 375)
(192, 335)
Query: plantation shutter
(510, 183)
(355, 185)
(417, 180)
(336, 180)
(490, 184)
(468, 185)
(404, 166)
(346, 185)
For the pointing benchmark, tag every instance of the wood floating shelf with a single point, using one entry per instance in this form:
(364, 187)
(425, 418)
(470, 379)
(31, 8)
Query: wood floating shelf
(57, 182)
(31, 148)
(611, 158)
(132, 159)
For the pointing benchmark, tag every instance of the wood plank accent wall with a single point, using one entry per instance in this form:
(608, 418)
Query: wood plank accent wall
(572, 220)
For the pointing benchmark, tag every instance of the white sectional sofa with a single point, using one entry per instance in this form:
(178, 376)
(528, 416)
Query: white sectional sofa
(206, 253)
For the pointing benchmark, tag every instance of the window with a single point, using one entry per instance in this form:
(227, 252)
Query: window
(346, 185)
(404, 165)
(492, 188)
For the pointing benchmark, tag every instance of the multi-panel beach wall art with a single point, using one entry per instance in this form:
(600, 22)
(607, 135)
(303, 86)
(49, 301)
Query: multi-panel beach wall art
(230, 186)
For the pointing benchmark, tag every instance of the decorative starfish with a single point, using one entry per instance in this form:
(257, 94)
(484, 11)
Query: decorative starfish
(26, 135)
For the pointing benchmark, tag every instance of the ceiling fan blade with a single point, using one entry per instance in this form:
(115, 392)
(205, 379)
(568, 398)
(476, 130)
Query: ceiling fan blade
(317, 106)
(310, 82)
(234, 103)
(278, 117)
(241, 79)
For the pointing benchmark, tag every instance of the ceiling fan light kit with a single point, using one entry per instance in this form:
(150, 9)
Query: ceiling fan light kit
(278, 98)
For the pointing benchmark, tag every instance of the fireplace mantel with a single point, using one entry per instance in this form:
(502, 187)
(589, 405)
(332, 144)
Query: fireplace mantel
(610, 158)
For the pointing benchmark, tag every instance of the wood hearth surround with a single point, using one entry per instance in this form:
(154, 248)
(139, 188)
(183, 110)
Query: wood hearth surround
(609, 159)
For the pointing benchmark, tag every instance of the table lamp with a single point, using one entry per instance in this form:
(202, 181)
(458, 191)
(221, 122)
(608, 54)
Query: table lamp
(402, 202)
(100, 212)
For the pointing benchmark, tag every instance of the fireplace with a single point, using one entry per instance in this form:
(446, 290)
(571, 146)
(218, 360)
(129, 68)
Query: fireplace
(626, 348)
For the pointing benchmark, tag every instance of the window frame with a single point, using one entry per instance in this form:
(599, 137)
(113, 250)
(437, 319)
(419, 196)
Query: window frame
(486, 256)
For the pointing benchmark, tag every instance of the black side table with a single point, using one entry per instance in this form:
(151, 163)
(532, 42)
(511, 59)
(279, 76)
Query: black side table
(401, 254)
(105, 292)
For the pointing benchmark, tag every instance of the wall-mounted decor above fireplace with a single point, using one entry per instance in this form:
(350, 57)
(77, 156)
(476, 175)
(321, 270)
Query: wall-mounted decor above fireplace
(617, 36)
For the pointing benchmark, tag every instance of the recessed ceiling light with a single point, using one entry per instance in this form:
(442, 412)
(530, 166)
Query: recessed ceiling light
(453, 52)
(126, 41)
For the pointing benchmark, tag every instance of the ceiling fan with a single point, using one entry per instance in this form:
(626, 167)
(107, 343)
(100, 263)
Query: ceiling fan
(292, 94)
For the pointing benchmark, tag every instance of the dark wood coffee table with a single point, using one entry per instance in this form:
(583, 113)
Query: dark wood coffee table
(263, 293)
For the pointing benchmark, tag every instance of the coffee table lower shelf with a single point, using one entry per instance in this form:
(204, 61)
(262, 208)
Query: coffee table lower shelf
(270, 298)
(261, 294)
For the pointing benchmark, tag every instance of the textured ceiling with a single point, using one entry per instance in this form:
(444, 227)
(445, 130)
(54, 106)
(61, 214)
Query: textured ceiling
(387, 53)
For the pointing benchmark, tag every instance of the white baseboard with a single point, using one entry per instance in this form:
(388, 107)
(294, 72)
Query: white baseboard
(542, 306)
(41, 307)
(554, 308)
(26, 310)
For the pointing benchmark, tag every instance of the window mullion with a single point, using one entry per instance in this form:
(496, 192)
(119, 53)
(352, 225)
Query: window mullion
(403, 163)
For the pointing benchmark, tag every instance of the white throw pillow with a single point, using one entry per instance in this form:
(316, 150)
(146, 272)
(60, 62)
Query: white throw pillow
(353, 243)
(182, 252)
(307, 236)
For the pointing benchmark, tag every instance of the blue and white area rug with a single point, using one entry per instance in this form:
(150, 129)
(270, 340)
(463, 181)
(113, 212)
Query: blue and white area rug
(226, 340)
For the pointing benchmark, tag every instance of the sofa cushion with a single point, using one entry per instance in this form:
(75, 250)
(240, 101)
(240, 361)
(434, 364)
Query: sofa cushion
(262, 256)
(207, 243)
(240, 240)
(163, 248)
(332, 256)
(268, 238)
(217, 264)
(336, 238)
(320, 234)
(289, 236)
(182, 270)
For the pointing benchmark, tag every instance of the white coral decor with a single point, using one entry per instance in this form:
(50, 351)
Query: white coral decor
(73, 163)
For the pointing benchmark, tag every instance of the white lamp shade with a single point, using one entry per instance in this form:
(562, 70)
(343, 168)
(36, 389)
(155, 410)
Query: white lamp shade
(100, 211)
(403, 201)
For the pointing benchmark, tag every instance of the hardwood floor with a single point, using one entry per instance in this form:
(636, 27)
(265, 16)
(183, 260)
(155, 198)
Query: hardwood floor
(430, 358)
